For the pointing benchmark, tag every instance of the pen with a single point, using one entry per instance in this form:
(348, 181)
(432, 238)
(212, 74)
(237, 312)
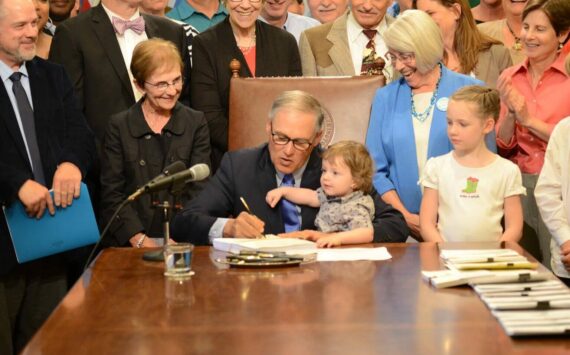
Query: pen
(245, 205)
(261, 236)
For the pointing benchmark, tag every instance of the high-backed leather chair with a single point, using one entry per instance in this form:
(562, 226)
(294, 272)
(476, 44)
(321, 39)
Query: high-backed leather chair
(347, 102)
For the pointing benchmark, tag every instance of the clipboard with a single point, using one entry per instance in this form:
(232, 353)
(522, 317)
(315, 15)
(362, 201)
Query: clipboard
(69, 228)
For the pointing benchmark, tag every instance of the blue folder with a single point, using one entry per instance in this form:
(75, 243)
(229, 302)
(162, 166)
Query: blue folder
(69, 228)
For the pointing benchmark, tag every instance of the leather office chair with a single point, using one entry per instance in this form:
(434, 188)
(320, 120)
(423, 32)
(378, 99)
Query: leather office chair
(347, 102)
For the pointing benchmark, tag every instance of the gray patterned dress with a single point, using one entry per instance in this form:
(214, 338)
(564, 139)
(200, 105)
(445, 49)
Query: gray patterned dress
(339, 214)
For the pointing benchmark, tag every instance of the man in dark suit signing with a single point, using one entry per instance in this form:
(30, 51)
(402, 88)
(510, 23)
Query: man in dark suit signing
(96, 49)
(44, 144)
(290, 157)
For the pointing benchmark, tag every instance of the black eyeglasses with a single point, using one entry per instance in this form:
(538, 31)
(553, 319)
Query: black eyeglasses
(298, 143)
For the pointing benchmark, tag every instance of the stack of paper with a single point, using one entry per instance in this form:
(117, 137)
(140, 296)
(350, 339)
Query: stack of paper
(531, 295)
(485, 259)
(523, 323)
(269, 243)
(525, 301)
(454, 277)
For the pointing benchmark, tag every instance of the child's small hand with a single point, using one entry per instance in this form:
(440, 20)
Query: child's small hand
(329, 241)
(273, 197)
(304, 234)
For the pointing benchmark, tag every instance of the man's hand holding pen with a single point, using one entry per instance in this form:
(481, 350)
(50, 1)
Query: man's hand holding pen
(245, 225)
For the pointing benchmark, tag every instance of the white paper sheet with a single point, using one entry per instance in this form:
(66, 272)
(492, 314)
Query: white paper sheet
(350, 254)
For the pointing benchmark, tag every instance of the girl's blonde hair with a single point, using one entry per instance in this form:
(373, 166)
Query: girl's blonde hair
(468, 41)
(485, 99)
(358, 160)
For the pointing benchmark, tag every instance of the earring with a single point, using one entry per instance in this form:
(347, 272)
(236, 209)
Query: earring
(560, 45)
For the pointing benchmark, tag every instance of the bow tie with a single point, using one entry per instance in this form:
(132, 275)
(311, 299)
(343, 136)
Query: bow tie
(120, 25)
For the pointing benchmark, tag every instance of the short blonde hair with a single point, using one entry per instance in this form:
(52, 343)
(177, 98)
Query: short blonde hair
(484, 98)
(358, 160)
(153, 54)
(415, 32)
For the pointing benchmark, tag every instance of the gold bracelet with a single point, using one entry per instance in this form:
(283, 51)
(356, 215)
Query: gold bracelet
(141, 240)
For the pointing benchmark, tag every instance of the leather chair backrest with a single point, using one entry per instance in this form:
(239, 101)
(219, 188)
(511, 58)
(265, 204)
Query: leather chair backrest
(347, 102)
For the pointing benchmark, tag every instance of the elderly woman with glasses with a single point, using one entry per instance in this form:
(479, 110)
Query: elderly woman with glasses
(141, 141)
(408, 123)
(261, 49)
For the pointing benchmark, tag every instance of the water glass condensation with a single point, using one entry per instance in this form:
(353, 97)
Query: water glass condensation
(178, 260)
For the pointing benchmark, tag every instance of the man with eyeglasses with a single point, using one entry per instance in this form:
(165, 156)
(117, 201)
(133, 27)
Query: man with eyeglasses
(290, 157)
(350, 45)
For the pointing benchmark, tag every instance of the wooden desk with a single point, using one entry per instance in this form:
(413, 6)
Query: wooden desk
(124, 305)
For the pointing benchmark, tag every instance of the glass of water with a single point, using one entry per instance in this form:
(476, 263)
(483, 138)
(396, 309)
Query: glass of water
(178, 260)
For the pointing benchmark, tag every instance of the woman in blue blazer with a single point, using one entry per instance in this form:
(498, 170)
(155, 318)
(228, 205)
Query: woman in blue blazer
(408, 123)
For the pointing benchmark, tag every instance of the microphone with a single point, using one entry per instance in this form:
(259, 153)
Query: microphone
(196, 173)
(171, 169)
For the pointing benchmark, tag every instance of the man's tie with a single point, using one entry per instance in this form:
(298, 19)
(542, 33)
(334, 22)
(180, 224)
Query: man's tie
(372, 63)
(120, 25)
(29, 125)
(288, 209)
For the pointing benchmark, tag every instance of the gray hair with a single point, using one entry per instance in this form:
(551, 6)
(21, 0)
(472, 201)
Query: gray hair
(299, 101)
(415, 32)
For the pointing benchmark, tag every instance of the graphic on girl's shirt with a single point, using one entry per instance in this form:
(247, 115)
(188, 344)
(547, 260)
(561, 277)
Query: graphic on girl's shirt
(471, 187)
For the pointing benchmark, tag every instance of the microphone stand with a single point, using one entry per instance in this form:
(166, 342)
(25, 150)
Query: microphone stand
(175, 191)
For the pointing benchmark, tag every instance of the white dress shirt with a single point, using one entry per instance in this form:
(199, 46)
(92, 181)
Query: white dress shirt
(127, 43)
(5, 73)
(357, 41)
(552, 192)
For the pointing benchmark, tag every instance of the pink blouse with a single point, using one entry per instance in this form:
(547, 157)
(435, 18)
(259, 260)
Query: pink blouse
(549, 101)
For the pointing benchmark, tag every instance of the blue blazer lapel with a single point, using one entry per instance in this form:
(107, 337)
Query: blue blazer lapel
(8, 116)
(404, 141)
(105, 33)
(439, 143)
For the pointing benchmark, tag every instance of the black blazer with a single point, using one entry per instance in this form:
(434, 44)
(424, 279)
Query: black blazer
(276, 55)
(249, 173)
(87, 47)
(62, 133)
(130, 159)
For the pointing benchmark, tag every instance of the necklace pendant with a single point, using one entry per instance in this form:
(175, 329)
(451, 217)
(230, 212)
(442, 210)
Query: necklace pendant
(517, 46)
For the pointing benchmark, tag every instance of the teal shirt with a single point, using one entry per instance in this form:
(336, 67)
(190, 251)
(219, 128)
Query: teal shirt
(186, 13)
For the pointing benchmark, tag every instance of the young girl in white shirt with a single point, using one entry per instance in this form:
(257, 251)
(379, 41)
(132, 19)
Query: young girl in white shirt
(469, 190)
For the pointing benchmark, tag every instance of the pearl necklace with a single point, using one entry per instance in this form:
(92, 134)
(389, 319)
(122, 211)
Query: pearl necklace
(246, 50)
(424, 115)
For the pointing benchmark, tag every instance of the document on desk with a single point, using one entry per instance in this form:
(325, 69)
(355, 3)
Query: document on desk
(494, 289)
(524, 323)
(69, 228)
(528, 302)
(352, 254)
(269, 243)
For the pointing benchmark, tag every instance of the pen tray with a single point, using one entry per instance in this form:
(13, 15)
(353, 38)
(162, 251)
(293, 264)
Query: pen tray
(253, 259)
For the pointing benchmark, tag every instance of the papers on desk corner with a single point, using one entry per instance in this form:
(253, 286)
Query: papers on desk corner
(525, 301)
